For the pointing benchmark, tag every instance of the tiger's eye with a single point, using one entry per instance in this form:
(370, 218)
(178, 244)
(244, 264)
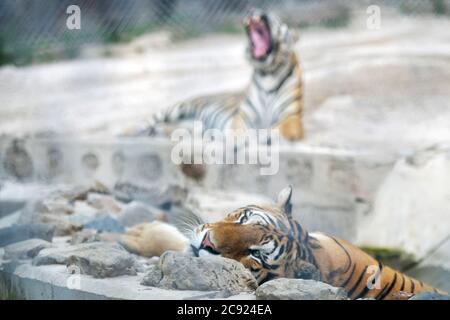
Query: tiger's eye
(255, 253)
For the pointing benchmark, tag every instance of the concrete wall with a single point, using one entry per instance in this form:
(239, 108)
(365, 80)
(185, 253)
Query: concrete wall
(333, 188)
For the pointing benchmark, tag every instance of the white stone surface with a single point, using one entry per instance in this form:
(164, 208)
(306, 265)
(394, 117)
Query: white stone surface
(51, 282)
(411, 209)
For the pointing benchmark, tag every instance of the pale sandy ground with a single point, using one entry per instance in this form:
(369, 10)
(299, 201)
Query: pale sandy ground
(387, 88)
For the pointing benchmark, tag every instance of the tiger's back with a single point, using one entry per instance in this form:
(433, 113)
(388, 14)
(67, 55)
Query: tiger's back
(344, 265)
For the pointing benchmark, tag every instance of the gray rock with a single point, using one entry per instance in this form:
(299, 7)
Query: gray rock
(85, 236)
(430, 296)
(81, 192)
(53, 205)
(23, 232)
(153, 276)
(105, 223)
(27, 249)
(103, 263)
(136, 213)
(157, 196)
(299, 289)
(181, 272)
(62, 224)
(83, 212)
(104, 202)
(100, 260)
(91, 235)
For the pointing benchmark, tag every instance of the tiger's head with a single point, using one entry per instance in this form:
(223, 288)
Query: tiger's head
(270, 42)
(265, 239)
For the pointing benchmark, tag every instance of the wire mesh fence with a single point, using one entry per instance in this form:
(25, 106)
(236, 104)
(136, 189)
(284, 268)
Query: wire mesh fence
(31, 29)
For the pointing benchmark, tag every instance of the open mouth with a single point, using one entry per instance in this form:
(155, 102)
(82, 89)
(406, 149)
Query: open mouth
(207, 245)
(259, 36)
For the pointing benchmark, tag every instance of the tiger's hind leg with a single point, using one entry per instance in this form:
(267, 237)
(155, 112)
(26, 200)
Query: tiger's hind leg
(292, 128)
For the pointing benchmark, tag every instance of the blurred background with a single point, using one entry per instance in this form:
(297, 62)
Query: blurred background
(32, 32)
(374, 167)
(131, 58)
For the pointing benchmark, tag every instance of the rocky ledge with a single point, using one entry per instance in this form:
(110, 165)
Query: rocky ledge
(181, 272)
(95, 243)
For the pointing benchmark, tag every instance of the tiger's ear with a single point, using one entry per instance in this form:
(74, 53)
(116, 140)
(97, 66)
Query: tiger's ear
(284, 200)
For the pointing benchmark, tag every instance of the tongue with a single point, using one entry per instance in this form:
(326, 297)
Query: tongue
(260, 44)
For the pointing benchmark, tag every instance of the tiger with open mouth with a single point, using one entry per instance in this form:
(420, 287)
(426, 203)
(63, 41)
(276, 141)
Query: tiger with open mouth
(271, 244)
(274, 98)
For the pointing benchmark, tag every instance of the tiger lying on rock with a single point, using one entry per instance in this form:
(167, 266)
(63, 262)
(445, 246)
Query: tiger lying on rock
(274, 98)
(269, 242)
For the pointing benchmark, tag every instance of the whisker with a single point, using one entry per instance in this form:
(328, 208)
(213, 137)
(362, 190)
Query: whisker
(188, 221)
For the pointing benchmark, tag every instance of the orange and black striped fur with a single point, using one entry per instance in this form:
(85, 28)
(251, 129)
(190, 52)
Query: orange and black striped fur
(269, 242)
(274, 98)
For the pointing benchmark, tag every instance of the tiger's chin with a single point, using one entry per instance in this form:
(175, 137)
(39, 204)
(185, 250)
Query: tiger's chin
(196, 252)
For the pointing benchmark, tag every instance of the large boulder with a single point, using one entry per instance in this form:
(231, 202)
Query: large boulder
(62, 225)
(105, 223)
(182, 272)
(411, 212)
(104, 202)
(163, 197)
(26, 249)
(137, 212)
(411, 209)
(299, 289)
(98, 259)
(23, 232)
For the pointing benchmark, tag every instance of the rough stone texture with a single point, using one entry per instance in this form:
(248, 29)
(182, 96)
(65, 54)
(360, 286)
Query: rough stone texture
(85, 236)
(82, 192)
(100, 260)
(83, 212)
(430, 296)
(50, 282)
(136, 213)
(63, 226)
(22, 232)
(153, 276)
(103, 263)
(299, 289)
(181, 272)
(54, 205)
(104, 202)
(154, 194)
(26, 249)
(105, 223)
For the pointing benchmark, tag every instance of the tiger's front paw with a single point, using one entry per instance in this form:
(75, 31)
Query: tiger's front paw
(292, 128)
